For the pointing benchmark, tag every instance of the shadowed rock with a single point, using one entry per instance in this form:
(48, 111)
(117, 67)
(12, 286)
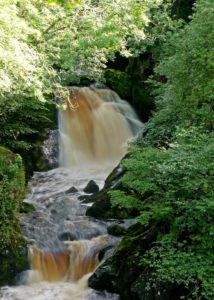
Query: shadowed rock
(91, 187)
(72, 190)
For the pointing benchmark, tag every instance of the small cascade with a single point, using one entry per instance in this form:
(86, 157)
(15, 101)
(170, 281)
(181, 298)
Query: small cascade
(84, 257)
(80, 259)
(95, 127)
(50, 266)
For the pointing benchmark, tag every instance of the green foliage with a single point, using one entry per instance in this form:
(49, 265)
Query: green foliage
(81, 40)
(121, 200)
(26, 80)
(12, 188)
(13, 253)
(119, 82)
(174, 189)
(172, 185)
(22, 121)
(186, 97)
(22, 69)
(47, 44)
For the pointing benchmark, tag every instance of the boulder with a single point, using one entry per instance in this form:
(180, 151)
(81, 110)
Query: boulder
(101, 208)
(72, 190)
(91, 187)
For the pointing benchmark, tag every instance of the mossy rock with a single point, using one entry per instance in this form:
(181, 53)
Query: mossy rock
(123, 273)
(116, 230)
(27, 208)
(72, 190)
(13, 262)
(118, 273)
(91, 187)
(102, 208)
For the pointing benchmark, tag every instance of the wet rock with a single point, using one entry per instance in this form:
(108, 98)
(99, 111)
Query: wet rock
(118, 272)
(94, 233)
(72, 190)
(66, 236)
(50, 149)
(104, 279)
(39, 160)
(123, 273)
(103, 252)
(94, 295)
(84, 198)
(91, 187)
(101, 207)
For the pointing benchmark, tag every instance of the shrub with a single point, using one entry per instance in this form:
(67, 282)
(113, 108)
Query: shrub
(173, 190)
(12, 188)
(186, 98)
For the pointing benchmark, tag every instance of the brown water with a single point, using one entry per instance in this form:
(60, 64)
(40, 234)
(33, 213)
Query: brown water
(80, 259)
(95, 127)
(64, 244)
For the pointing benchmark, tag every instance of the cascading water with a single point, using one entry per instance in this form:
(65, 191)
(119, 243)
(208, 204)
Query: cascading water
(64, 244)
(95, 127)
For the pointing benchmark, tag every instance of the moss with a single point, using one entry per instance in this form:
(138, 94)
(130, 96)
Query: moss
(12, 262)
(116, 230)
(27, 208)
(12, 190)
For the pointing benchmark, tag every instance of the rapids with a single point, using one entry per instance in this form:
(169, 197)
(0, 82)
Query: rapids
(66, 246)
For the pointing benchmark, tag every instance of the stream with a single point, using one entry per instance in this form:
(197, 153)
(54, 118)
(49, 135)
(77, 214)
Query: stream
(64, 245)
(68, 242)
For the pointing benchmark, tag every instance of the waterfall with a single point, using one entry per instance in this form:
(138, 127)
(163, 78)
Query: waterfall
(65, 244)
(80, 259)
(95, 127)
